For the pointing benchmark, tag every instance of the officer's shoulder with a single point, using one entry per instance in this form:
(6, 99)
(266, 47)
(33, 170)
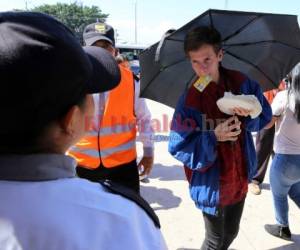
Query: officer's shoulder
(132, 196)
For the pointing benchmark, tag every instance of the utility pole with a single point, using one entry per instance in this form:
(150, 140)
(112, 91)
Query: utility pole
(117, 35)
(135, 21)
(28, 4)
(226, 4)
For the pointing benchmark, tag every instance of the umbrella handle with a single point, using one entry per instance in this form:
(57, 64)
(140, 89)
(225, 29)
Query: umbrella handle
(160, 44)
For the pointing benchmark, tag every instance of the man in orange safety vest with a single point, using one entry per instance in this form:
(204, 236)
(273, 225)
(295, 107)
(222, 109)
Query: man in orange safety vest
(109, 151)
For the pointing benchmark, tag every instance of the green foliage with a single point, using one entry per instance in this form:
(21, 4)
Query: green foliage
(74, 15)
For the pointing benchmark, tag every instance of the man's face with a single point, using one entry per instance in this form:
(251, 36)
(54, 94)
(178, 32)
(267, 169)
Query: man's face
(106, 45)
(205, 61)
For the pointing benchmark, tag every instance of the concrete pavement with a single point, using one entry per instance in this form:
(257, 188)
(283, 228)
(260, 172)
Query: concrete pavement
(182, 224)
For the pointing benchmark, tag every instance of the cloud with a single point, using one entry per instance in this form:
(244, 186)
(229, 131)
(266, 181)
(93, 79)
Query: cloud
(151, 34)
(146, 33)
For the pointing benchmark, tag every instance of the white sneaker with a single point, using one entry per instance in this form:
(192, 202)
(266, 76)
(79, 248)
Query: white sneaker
(254, 188)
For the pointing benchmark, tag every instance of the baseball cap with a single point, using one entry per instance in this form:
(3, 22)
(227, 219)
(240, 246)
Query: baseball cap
(98, 31)
(44, 71)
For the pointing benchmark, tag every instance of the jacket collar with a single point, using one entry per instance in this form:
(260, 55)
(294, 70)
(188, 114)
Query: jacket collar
(36, 167)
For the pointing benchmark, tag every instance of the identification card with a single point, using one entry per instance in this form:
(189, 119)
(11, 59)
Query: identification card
(202, 82)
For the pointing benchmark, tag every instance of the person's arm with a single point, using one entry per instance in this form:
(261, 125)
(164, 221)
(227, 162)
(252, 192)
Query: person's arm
(250, 87)
(190, 141)
(278, 106)
(272, 122)
(146, 133)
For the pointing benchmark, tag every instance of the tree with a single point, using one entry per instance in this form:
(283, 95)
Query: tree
(74, 15)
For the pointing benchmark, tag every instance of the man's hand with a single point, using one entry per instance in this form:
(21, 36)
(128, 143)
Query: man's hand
(241, 111)
(228, 130)
(147, 163)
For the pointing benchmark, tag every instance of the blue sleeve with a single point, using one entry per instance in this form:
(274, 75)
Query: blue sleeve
(250, 87)
(190, 142)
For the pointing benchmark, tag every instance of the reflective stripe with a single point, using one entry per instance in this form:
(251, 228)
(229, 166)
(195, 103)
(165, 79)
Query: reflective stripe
(90, 133)
(123, 147)
(105, 152)
(89, 152)
(116, 129)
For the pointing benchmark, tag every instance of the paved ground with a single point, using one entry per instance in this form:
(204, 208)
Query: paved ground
(181, 221)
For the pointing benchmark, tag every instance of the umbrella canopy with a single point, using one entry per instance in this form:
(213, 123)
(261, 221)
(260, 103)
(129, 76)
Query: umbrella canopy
(263, 46)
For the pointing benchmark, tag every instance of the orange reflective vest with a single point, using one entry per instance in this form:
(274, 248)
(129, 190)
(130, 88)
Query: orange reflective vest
(116, 134)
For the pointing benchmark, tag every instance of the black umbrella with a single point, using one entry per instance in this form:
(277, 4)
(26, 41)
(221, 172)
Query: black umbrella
(263, 46)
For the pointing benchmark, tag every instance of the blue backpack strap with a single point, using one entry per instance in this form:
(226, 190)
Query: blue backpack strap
(128, 193)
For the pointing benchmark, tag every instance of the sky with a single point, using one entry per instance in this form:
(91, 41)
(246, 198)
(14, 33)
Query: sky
(154, 17)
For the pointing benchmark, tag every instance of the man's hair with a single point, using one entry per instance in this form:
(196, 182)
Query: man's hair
(202, 35)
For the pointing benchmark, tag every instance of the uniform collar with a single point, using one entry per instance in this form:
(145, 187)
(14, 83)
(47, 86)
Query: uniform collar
(36, 167)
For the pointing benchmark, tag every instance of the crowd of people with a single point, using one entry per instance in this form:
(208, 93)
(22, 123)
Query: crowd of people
(69, 175)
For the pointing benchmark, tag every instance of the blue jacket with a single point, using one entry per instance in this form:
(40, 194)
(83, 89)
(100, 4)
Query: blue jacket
(195, 146)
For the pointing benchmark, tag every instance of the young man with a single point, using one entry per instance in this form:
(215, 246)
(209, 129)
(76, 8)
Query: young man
(47, 82)
(216, 149)
(117, 114)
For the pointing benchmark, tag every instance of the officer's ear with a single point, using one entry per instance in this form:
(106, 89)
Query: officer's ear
(79, 119)
(69, 123)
